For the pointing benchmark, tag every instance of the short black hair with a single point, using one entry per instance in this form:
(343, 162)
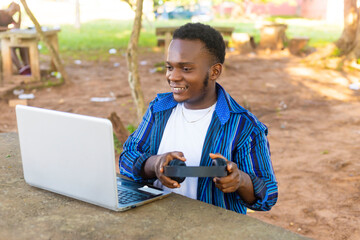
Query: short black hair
(212, 39)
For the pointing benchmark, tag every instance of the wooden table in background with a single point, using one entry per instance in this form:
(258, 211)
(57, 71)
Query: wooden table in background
(24, 38)
(164, 35)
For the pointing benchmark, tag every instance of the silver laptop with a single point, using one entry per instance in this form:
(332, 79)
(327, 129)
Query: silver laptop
(73, 155)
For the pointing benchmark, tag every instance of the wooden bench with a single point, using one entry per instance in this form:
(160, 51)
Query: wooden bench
(164, 35)
(27, 38)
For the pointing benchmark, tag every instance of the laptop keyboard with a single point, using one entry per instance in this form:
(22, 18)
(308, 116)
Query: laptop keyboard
(128, 196)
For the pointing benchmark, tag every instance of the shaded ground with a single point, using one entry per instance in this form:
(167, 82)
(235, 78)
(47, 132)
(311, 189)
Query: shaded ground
(312, 115)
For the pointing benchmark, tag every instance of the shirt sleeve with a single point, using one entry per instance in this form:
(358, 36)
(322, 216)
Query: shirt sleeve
(257, 164)
(136, 149)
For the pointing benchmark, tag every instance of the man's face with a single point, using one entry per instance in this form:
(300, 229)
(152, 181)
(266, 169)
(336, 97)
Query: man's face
(188, 66)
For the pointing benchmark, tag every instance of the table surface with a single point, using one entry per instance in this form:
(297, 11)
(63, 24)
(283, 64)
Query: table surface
(30, 213)
(27, 33)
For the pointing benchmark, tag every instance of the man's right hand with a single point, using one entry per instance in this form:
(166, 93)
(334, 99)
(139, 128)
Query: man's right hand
(154, 166)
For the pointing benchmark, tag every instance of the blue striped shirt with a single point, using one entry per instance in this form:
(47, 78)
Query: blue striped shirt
(233, 132)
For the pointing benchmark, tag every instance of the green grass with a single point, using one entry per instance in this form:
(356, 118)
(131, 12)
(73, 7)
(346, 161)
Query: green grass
(319, 33)
(95, 38)
(118, 146)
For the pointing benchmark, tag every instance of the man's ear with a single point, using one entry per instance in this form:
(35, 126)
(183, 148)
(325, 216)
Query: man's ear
(215, 71)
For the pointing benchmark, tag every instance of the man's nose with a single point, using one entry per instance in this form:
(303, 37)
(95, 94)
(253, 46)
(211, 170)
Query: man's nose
(175, 75)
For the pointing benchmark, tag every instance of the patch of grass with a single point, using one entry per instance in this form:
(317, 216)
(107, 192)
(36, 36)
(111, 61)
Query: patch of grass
(95, 38)
(325, 152)
(101, 35)
(284, 17)
(131, 128)
(159, 64)
(117, 145)
(336, 52)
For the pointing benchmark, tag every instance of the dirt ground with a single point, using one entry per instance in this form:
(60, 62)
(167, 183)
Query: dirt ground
(312, 115)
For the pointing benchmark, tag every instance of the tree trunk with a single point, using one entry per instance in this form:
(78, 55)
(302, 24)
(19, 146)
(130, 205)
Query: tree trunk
(1, 76)
(77, 14)
(132, 62)
(54, 54)
(119, 129)
(348, 43)
(355, 52)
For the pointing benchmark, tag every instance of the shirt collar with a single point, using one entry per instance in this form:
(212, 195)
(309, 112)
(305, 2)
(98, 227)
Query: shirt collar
(225, 104)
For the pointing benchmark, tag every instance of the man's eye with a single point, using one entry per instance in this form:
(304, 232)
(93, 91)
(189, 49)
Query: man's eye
(169, 68)
(186, 69)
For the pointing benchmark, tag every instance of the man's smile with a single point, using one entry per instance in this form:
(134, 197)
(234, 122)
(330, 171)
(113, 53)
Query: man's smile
(178, 90)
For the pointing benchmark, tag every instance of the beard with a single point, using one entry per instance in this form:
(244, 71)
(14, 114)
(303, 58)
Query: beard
(206, 80)
(201, 93)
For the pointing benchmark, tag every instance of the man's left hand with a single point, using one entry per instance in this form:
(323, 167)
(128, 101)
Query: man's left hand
(233, 180)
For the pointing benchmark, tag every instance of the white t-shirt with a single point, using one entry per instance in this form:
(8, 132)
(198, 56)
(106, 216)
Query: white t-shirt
(185, 131)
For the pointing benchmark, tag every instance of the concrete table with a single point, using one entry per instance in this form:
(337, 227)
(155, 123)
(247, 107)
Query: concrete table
(30, 213)
(25, 38)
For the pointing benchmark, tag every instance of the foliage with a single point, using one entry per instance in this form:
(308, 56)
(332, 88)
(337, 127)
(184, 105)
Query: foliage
(189, 2)
(131, 128)
(336, 52)
(178, 2)
(101, 35)
(117, 145)
(95, 38)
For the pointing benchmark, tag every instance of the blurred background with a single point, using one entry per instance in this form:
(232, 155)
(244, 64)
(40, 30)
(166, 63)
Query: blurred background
(320, 20)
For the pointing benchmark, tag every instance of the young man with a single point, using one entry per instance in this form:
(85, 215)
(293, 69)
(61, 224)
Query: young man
(197, 122)
(7, 22)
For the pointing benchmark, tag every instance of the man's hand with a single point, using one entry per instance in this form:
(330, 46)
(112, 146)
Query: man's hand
(236, 181)
(232, 181)
(154, 166)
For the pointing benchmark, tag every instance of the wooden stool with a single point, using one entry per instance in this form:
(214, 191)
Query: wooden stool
(24, 38)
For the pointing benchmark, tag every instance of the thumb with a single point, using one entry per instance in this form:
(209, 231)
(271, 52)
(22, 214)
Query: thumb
(216, 155)
(231, 167)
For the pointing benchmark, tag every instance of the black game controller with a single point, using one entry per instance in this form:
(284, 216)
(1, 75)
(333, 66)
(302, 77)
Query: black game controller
(178, 171)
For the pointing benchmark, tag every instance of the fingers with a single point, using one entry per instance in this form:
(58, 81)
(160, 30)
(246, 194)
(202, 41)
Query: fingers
(231, 182)
(228, 167)
(231, 167)
(169, 157)
(217, 155)
(227, 186)
(176, 155)
(164, 161)
(168, 182)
